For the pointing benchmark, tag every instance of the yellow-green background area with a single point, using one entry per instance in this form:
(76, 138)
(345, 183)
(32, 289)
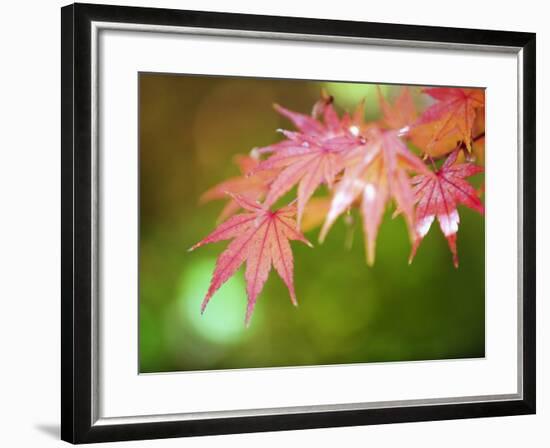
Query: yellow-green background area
(190, 129)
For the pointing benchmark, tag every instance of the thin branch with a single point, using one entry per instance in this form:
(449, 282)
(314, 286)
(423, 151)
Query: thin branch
(460, 146)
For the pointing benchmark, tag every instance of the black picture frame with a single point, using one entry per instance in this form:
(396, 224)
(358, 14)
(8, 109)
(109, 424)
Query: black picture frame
(76, 217)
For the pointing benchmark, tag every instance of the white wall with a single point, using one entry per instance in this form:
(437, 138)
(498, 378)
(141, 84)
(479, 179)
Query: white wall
(30, 209)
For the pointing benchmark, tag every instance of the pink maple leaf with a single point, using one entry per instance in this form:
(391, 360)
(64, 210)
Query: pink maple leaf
(378, 174)
(313, 155)
(438, 194)
(261, 238)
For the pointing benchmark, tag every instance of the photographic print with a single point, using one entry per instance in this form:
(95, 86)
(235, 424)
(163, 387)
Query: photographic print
(303, 223)
(252, 210)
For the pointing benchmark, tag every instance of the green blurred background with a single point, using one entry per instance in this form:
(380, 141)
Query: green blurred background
(190, 129)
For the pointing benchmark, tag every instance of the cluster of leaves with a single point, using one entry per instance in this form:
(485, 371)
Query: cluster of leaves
(364, 165)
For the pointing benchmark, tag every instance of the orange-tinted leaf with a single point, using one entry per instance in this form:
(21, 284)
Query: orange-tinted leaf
(315, 212)
(253, 185)
(453, 114)
(422, 137)
(478, 145)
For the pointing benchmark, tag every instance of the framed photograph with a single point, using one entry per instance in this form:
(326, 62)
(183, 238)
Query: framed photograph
(274, 223)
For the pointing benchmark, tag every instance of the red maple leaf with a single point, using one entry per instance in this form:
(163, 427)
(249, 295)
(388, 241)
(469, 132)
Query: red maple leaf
(378, 175)
(453, 114)
(261, 238)
(253, 186)
(312, 156)
(438, 194)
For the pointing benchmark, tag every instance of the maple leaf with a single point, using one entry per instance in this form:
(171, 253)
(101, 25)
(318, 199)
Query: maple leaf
(253, 186)
(438, 194)
(401, 114)
(379, 175)
(314, 213)
(452, 115)
(261, 238)
(478, 144)
(312, 156)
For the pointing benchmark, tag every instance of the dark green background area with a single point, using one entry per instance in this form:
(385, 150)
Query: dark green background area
(190, 129)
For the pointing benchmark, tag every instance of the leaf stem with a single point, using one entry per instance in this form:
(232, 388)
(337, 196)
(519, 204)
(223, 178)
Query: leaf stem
(432, 162)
